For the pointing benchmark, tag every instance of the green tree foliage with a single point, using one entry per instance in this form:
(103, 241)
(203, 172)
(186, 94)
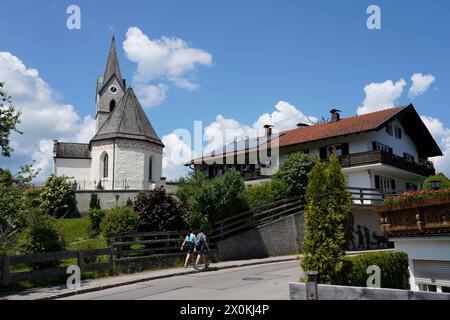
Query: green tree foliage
(261, 194)
(445, 182)
(94, 202)
(210, 200)
(117, 221)
(327, 210)
(58, 196)
(9, 119)
(159, 211)
(292, 176)
(96, 216)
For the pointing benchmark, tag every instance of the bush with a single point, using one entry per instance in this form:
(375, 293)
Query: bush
(119, 221)
(94, 202)
(292, 176)
(159, 211)
(96, 216)
(393, 265)
(445, 182)
(260, 195)
(58, 196)
(41, 236)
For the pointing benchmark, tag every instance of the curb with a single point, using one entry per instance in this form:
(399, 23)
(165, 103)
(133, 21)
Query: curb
(125, 283)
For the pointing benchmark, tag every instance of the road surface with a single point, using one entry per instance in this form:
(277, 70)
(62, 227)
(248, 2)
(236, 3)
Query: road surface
(265, 282)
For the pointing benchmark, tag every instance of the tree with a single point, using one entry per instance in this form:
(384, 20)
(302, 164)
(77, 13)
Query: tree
(325, 237)
(58, 196)
(159, 211)
(9, 119)
(445, 182)
(117, 221)
(291, 178)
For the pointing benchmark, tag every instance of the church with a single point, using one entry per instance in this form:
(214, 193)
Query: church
(125, 153)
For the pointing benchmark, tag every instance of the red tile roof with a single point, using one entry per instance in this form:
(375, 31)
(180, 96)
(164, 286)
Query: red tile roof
(362, 123)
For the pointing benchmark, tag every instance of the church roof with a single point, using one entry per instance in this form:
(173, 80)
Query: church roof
(112, 66)
(71, 150)
(128, 120)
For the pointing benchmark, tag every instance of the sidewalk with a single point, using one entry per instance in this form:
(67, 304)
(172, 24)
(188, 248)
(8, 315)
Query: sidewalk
(122, 280)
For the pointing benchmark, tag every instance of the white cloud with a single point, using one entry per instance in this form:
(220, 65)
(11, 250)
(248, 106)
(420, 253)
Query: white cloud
(170, 59)
(420, 84)
(381, 96)
(176, 153)
(442, 136)
(151, 95)
(43, 119)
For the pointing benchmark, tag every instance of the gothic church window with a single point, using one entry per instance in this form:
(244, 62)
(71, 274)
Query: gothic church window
(105, 166)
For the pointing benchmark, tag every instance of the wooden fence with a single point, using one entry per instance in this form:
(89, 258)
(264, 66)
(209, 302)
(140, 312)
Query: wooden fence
(46, 265)
(254, 217)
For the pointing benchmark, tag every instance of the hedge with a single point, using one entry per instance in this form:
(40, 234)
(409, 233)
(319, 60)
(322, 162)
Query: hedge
(393, 265)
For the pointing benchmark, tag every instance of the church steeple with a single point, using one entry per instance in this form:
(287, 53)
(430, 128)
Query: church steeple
(112, 66)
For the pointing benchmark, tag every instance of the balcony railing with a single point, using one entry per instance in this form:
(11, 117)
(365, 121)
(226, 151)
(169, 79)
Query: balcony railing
(370, 157)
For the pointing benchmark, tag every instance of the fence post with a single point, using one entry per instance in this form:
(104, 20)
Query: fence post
(311, 285)
(361, 196)
(80, 260)
(5, 271)
(111, 260)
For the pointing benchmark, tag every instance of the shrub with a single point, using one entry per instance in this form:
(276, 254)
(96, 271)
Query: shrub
(41, 236)
(393, 265)
(58, 196)
(119, 221)
(94, 202)
(261, 194)
(291, 178)
(96, 216)
(324, 239)
(159, 211)
(445, 182)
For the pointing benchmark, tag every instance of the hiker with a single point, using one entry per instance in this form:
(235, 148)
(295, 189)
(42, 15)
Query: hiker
(189, 244)
(201, 245)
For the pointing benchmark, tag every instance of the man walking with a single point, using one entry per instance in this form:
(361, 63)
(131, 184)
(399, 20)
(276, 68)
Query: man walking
(201, 246)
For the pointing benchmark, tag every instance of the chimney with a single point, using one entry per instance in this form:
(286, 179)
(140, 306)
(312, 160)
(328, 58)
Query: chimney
(268, 128)
(301, 125)
(335, 116)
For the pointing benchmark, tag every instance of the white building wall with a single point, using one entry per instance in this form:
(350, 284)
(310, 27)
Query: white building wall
(76, 169)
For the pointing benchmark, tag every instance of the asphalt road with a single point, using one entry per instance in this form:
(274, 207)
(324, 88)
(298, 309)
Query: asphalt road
(265, 282)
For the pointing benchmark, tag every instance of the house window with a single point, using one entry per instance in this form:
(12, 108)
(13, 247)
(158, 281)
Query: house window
(381, 147)
(389, 129)
(384, 183)
(397, 132)
(408, 157)
(410, 186)
(112, 105)
(339, 149)
(427, 287)
(150, 168)
(105, 166)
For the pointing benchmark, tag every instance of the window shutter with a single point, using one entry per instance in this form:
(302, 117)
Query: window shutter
(399, 133)
(323, 153)
(390, 151)
(345, 149)
(374, 145)
(377, 182)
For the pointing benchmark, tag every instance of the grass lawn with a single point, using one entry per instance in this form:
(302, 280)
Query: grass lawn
(76, 233)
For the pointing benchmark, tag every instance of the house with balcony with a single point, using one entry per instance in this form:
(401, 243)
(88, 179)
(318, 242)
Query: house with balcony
(386, 150)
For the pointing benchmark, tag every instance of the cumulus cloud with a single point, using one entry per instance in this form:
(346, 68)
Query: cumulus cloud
(381, 96)
(442, 136)
(225, 130)
(420, 84)
(44, 116)
(151, 95)
(169, 59)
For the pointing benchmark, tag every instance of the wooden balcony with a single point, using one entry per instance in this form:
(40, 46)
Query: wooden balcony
(426, 217)
(371, 157)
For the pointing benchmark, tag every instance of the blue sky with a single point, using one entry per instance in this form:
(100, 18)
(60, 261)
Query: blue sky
(313, 55)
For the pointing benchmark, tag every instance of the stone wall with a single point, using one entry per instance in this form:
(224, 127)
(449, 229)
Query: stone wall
(107, 198)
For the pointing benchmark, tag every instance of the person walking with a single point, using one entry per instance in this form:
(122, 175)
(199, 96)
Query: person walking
(201, 246)
(189, 245)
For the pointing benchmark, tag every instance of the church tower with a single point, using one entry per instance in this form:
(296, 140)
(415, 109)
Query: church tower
(110, 88)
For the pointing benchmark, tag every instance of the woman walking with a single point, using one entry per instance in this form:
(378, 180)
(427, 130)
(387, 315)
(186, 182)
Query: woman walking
(189, 244)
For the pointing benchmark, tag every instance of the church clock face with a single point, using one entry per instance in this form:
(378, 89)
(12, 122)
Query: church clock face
(113, 89)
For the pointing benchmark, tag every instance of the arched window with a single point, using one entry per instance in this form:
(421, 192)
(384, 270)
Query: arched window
(112, 105)
(150, 168)
(105, 166)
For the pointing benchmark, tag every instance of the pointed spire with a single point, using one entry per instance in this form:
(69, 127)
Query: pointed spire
(112, 67)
